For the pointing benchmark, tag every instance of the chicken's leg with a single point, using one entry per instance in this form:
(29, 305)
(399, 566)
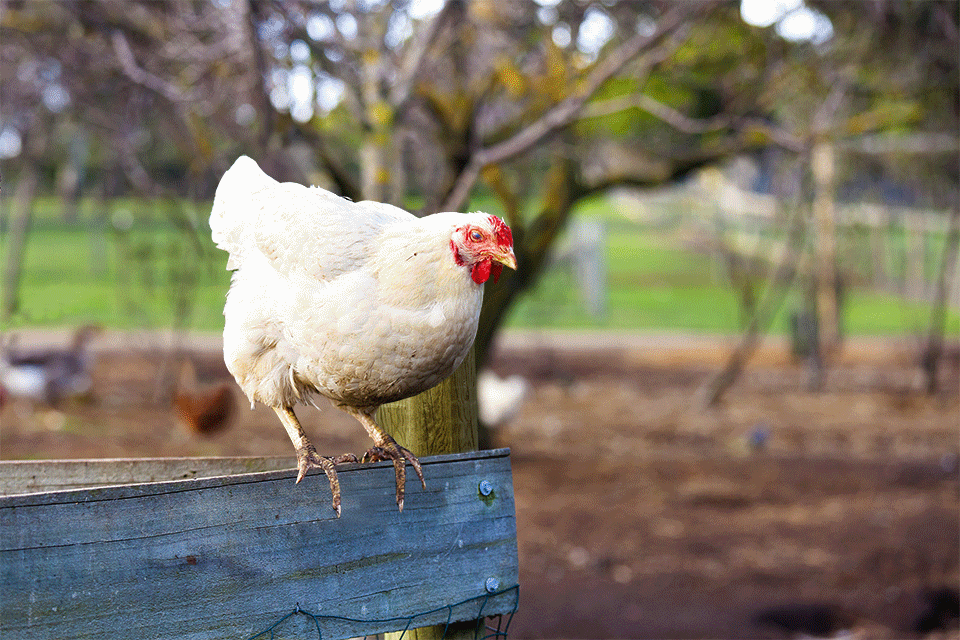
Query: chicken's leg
(386, 448)
(307, 456)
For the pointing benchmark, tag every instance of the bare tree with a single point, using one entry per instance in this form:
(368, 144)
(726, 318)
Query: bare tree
(20, 218)
(840, 107)
(932, 350)
(779, 283)
(498, 96)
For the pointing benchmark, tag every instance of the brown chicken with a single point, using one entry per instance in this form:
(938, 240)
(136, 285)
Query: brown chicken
(204, 409)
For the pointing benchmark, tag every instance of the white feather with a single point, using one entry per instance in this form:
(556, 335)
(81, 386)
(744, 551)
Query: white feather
(359, 301)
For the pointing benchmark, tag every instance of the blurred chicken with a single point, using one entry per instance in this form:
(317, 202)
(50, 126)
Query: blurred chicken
(500, 399)
(53, 375)
(204, 409)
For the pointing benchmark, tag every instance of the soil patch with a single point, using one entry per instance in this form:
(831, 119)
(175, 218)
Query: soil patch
(640, 516)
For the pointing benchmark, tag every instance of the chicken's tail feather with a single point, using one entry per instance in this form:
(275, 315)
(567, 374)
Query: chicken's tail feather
(231, 217)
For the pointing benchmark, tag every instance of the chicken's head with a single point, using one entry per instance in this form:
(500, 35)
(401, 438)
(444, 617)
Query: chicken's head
(485, 244)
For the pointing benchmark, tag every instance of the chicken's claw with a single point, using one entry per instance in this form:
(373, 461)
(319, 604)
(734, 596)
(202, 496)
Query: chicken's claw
(308, 458)
(390, 450)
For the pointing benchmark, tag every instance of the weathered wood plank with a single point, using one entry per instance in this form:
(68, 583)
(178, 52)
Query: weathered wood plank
(228, 556)
(32, 476)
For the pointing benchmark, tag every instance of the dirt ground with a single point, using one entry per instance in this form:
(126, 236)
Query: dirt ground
(640, 515)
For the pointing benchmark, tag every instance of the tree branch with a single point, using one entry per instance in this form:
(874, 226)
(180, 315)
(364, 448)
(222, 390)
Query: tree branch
(657, 109)
(142, 77)
(261, 95)
(693, 126)
(933, 349)
(903, 144)
(566, 111)
(344, 183)
(413, 60)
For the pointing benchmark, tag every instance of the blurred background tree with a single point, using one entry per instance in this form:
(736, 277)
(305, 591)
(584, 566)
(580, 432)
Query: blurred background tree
(542, 105)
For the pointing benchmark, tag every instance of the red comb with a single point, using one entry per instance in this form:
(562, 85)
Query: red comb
(502, 231)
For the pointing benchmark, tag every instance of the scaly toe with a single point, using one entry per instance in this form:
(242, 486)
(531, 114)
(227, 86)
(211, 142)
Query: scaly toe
(400, 456)
(308, 458)
(375, 454)
(416, 465)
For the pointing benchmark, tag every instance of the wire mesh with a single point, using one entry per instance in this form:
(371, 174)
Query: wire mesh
(494, 629)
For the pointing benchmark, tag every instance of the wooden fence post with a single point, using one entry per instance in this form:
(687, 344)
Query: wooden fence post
(440, 420)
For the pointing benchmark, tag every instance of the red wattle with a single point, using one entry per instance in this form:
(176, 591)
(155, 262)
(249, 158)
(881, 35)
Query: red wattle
(496, 268)
(481, 271)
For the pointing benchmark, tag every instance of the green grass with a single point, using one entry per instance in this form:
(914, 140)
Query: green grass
(158, 275)
(152, 275)
(654, 286)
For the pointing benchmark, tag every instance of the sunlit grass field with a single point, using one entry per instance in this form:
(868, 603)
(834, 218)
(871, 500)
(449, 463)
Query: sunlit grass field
(130, 267)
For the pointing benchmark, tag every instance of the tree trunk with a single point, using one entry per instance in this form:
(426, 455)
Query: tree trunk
(712, 392)
(375, 149)
(21, 212)
(932, 351)
(439, 420)
(531, 244)
(824, 213)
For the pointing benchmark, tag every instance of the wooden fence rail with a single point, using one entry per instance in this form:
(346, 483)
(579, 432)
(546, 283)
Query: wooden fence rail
(230, 555)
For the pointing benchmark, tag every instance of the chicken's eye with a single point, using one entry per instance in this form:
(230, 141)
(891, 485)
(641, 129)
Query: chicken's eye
(476, 236)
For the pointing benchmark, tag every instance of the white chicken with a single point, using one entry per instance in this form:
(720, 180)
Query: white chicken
(361, 302)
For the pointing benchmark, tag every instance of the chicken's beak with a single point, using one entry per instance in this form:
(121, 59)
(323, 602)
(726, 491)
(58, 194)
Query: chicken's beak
(506, 258)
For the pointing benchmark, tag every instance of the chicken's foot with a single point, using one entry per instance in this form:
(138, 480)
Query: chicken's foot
(307, 456)
(386, 448)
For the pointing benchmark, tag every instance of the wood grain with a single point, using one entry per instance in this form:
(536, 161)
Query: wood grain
(32, 476)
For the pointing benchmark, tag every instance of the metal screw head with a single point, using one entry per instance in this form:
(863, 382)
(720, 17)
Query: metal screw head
(485, 487)
(491, 585)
